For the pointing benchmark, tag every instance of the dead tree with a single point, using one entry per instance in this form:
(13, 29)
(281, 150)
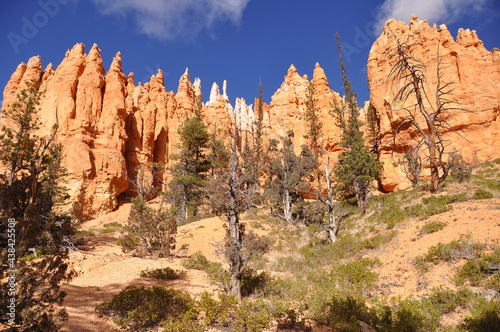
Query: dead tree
(333, 219)
(410, 73)
(229, 198)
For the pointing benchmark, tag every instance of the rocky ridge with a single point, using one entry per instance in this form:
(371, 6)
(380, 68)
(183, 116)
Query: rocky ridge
(109, 124)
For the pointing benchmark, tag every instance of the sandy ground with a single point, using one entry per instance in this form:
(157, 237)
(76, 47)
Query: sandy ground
(102, 270)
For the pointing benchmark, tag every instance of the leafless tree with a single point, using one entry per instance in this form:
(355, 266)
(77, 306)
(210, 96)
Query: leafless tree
(414, 95)
(334, 217)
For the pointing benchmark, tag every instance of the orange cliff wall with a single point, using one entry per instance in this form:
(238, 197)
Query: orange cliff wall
(109, 125)
(475, 76)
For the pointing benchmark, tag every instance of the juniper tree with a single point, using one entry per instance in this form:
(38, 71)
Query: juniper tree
(287, 174)
(150, 230)
(252, 154)
(230, 197)
(30, 188)
(357, 167)
(189, 180)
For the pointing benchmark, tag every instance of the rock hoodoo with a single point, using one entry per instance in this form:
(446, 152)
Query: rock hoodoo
(109, 125)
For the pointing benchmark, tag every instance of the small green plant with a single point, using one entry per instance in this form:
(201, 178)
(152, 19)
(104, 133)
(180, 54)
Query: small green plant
(453, 251)
(482, 194)
(432, 227)
(37, 252)
(421, 264)
(252, 316)
(113, 224)
(140, 308)
(199, 262)
(165, 273)
(476, 271)
(484, 317)
(355, 275)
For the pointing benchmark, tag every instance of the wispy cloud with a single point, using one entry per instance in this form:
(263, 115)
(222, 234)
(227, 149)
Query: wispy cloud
(170, 19)
(436, 11)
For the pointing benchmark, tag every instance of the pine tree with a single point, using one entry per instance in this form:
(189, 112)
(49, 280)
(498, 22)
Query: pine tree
(287, 174)
(314, 132)
(193, 165)
(357, 167)
(30, 188)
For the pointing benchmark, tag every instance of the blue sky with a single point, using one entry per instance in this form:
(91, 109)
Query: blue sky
(241, 41)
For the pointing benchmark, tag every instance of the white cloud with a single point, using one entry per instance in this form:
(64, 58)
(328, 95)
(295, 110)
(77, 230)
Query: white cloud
(435, 11)
(169, 19)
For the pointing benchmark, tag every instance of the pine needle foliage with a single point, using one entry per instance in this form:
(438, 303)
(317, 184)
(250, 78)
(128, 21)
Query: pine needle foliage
(30, 189)
(357, 167)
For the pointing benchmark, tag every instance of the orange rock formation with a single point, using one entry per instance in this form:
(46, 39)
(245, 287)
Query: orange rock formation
(109, 125)
(475, 76)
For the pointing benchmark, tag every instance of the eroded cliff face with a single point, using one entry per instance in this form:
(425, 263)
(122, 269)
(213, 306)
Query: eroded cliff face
(109, 125)
(473, 125)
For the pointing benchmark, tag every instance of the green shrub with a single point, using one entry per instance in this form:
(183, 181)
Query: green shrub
(355, 275)
(475, 271)
(113, 224)
(434, 205)
(494, 282)
(252, 316)
(291, 319)
(482, 194)
(39, 253)
(199, 262)
(253, 282)
(453, 251)
(343, 313)
(421, 264)
(432, 227)
(139, 308)
(484, 318)
(472, 271)
(447, 300)
(165, 273)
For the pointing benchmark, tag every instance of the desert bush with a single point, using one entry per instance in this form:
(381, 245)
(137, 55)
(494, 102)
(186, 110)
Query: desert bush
(432, 227)
(355, 275)
(199, 262)
(453, 251)
(252, 316)
(476, 271)
(343, 313)
(140, 308)
(484, 317)
(482, 194)
(434, 205)
(165, 273)
(253, 282)
(291, 319)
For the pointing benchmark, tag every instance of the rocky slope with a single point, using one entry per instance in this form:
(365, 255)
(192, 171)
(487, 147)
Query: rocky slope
(109, 124)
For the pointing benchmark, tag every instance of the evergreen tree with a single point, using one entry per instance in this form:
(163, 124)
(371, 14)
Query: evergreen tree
(193, 165)
(150, 230)
(357, 166)
(314, 124)
(230, 196)
(314, 131)
(287, 174)
(30, 188)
